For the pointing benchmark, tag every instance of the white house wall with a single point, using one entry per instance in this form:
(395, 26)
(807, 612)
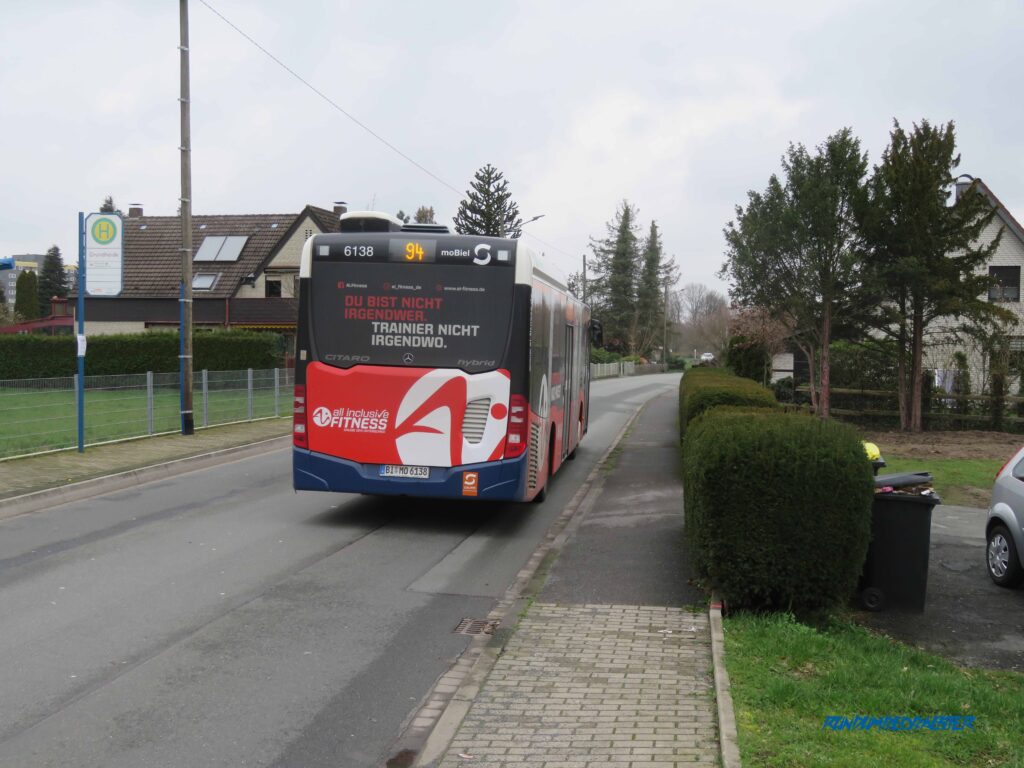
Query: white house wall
(284, 265)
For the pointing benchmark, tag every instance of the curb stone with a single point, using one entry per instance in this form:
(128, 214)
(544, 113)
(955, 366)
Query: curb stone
(84, 489)
(729, 749)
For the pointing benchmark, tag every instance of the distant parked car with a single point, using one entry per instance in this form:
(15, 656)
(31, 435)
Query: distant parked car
(707, 357)
(1004, 531)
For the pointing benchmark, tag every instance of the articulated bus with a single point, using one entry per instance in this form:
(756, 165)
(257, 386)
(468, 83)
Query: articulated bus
(431, 364)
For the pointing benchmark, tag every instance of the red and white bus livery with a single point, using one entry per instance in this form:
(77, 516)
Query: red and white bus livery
(435, 365)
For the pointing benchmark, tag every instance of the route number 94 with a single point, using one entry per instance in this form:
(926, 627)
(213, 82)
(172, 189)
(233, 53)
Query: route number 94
(362, 251)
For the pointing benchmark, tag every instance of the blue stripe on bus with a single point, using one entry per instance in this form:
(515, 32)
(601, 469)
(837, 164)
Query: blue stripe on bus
(498, 480)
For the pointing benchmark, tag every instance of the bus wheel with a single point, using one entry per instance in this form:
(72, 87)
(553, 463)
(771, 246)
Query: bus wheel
(579, 438)
(543, 492)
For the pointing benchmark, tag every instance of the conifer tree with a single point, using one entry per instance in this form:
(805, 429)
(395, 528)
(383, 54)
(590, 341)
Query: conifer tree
(425, 215)
(488, 208)
(649, 299)
(612, 290)
(26, 296)
(108, 205)
(52, 280)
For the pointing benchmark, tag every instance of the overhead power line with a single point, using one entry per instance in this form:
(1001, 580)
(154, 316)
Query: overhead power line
(330, 101)
(352, 117)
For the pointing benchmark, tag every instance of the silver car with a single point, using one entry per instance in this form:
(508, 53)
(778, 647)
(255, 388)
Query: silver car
(1004, 531)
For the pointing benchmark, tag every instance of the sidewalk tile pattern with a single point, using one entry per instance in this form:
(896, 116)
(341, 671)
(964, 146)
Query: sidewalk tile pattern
(581, 686)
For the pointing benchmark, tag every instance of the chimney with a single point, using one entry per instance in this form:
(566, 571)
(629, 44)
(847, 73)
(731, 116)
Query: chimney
(134, 210)
(963, 183)
(340, 207)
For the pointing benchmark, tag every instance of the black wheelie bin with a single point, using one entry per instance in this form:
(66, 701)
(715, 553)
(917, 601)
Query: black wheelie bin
(896, 569)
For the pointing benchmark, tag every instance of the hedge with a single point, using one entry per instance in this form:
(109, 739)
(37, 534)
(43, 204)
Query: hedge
(30, 356)
(703, 388)
(777, 507)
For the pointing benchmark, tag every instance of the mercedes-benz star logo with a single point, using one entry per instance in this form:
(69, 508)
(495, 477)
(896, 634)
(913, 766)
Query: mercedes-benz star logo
(407, 358)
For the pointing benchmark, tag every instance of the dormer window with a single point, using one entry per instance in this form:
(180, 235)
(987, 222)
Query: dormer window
(1007, 287)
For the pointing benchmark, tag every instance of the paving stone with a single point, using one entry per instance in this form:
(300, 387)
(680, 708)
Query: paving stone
(558, 697)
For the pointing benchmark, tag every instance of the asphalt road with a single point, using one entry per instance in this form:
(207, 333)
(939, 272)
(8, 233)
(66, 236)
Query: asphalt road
(219, 619)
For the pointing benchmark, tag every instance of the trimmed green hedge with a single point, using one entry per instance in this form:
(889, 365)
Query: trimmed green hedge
(31, 356)
(777, 507)
(704, 388)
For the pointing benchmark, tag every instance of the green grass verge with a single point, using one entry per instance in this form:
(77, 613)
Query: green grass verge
(32, 421)
(967, 482)
(787, 677)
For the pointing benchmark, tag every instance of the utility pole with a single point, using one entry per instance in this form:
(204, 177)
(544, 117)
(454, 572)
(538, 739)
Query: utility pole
(664, 344)
(185, 292)
(584, 278)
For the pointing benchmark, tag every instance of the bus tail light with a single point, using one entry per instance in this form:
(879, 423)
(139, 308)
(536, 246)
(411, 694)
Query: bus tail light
(518, 427)
(299, 436)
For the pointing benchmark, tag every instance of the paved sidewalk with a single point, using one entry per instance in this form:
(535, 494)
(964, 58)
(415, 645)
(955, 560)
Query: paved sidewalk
(50, 470)
(593, 685)
(610, 667)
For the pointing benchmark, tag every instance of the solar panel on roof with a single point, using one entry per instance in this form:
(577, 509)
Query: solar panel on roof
(208, 249)
(232, 248)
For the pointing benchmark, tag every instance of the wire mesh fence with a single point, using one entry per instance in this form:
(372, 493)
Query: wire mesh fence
(624, 368)
(39, 415)
(42, 414)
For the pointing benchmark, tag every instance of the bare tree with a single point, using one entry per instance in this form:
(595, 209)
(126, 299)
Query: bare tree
(703, 317)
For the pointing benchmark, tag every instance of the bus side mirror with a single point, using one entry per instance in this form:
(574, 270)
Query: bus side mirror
(596, 333)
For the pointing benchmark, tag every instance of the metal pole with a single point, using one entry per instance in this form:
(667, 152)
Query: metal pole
(277, 391)
(206, 398)
(149, 401)
(250, 394)
(584, 278)
(187, 421)
(664, 346)
(80, 378)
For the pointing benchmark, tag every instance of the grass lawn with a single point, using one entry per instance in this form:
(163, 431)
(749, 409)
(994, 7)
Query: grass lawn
(39, 420)
(787, 677)
(966, 482)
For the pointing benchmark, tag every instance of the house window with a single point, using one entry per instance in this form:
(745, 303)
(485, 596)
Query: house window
(204, 281)
(273, 289)
(1007, 287)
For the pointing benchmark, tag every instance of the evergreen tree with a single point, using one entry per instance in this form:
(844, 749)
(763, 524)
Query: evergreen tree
(612, 291)
(488, 208)
(108, 205)
(26, 295)
(52, 280)
(795, 250)
(650, 311)
(924, 262)
(425, 215)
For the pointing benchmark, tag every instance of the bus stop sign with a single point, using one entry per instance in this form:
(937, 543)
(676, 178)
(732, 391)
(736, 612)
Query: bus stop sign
(104, 255)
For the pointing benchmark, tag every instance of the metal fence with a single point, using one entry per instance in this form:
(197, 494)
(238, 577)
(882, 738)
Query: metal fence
(624, 368)
(38, 415)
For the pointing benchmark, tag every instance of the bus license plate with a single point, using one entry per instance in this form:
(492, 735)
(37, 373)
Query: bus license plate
(398, 470)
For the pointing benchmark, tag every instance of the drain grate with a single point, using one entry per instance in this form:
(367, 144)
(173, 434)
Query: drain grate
(476, 627)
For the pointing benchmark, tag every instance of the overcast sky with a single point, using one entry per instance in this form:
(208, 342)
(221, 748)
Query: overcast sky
(679, 107)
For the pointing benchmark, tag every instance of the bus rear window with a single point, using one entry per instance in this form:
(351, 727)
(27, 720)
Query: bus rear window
(432, 315)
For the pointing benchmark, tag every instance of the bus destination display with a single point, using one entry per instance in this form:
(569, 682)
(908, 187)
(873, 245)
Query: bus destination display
(466, 250)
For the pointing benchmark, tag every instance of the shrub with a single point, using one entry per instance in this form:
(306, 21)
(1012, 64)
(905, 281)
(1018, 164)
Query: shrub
(598, 355)
(704, 388)
(36, 356)
(748, 359)
(777, 507)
